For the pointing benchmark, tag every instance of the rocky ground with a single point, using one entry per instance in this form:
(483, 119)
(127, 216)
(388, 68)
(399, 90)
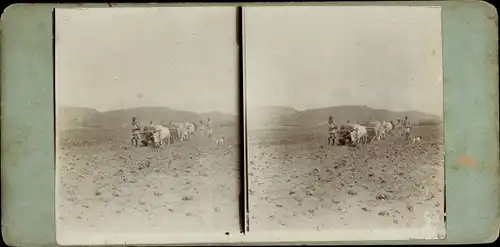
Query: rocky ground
(106, 185)
(297, 182)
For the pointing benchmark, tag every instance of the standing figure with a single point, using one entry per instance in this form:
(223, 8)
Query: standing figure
(398, 127)
(136, 132)
(201, 128)
(393, 131)
(407, 128)
(210, 128)
(332, 129)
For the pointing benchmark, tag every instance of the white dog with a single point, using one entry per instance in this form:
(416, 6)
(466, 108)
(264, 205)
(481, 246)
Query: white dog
(416, 139)
(219, 141)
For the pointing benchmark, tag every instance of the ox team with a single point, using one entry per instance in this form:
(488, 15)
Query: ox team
(161, 135)
(355, 133)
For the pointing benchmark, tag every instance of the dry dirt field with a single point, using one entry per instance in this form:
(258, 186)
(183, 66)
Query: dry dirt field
(104, 184)
(297, 182)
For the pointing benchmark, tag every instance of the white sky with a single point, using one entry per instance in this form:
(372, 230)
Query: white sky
(311, 57)
(180, 57)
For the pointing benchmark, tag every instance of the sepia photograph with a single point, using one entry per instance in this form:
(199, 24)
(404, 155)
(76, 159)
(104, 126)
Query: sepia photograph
(344, 111)
(147, 116)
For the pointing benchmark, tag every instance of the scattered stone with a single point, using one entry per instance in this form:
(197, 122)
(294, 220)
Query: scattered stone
(352, 193)
(187, 198)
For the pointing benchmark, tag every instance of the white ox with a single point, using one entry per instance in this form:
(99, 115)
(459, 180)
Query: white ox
(398, 129)
(161, 136)
(379, 129)
(387, 128)
(182, 132)
(191, 129)
(358, 133)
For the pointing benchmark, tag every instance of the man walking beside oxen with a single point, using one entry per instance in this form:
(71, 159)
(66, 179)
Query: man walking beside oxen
(136, 132)
(332, 129)
(407, 128)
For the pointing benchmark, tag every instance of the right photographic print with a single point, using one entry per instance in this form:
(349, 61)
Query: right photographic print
(344, 116)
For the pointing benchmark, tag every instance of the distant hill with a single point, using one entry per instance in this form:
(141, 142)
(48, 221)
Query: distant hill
(85, 117)
(315, 117)
(74, 116)
(268, 116)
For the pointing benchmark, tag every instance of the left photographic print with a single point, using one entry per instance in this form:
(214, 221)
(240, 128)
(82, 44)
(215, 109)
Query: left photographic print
(147, 123)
